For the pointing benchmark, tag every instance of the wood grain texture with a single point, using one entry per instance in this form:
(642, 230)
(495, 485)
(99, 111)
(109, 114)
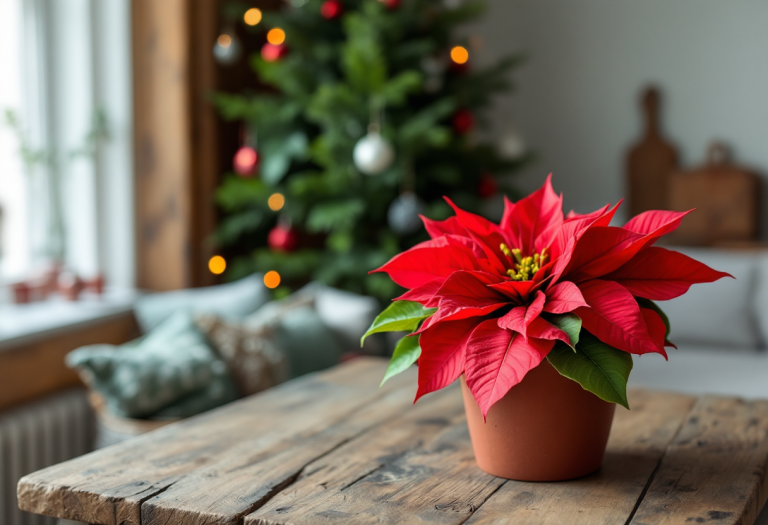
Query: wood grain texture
(638, 440)
(333, 448)
(110, 486)
(35, 367)
(715, 470)
(175, 136)
(162, 143)
(415, 468)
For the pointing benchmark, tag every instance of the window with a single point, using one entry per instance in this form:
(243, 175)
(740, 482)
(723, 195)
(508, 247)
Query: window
(66, 72)
(14, 214)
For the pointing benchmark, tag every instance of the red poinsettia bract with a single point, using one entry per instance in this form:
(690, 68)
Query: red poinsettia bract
(491, 284)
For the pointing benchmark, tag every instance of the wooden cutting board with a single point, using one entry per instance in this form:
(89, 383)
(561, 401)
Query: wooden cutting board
(650, 162)
(726, 198)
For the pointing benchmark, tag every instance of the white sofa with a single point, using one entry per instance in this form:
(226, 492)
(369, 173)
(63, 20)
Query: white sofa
(721, 330)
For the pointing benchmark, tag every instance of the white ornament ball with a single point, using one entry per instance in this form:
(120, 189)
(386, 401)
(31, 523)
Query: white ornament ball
(227, 49)
(373, 154)
(403, 213)
(511, 145)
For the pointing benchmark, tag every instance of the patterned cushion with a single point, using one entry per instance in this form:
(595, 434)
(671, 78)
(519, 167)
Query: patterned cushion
(251, 354)
(347, 314)
(171, 372)
(309, 345)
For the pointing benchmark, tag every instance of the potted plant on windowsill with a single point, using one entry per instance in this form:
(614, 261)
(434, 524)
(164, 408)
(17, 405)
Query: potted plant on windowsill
(539, 316)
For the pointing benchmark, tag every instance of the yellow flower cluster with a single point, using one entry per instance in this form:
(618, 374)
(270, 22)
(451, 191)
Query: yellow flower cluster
(524, 268)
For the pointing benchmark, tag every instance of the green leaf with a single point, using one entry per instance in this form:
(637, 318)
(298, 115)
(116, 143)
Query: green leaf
(647, 303)
(406, 353)
(415, 131)
(596, 366)
(570, 324)
(278, 154)
(398, 88)
(400, 316)
(237, 193)
(233, 227)
(332, 215)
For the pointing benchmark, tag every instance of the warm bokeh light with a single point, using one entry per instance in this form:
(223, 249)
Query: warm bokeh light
(276, 36)
(276, 201)
(252, 17)
(271, 279)
(460, 55)
(217, 265)
(224, 40)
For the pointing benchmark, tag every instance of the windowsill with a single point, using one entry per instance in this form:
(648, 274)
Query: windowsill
(24, 323)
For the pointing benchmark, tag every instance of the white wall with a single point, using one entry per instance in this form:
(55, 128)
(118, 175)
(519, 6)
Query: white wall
(588, 60)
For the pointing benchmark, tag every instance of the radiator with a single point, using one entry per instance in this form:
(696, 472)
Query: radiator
(38, 435)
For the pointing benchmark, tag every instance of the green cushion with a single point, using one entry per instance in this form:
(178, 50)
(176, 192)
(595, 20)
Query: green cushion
(170, 372)
(231, 301)
(299, 332)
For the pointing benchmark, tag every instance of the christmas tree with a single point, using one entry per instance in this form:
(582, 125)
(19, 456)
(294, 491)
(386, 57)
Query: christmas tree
(370, 118)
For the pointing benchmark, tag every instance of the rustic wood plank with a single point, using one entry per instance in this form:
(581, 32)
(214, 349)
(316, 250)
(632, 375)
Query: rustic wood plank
(638, 440)
(715, 470)
(415, 467)
(35, 367)
(255, 469)
(334, 448)
(430, 477)
(109, 486)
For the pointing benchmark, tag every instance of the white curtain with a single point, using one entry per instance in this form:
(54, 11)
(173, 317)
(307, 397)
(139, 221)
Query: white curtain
(77, 62)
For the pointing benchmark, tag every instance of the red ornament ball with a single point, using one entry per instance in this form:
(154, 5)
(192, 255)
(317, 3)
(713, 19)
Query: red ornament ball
(272, 52)
(332, 9)
(487, 186)
(282, 239)
(391, 4)
(463, 121)
(246, 161)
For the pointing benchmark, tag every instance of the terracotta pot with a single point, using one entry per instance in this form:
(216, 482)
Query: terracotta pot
(547, 428)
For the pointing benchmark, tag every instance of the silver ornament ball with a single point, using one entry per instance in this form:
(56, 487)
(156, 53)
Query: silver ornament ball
(227, 49)
(512, 146)
(373, 154)
(403, 214)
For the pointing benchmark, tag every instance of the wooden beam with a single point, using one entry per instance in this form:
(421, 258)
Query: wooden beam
(174, 137)
(205, 142)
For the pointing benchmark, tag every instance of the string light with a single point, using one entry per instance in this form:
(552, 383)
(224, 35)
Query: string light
(276, 36)
(252, 17)
(460, 55)
(224, 40)
(271, 279)
(217, 265)
(276, 201)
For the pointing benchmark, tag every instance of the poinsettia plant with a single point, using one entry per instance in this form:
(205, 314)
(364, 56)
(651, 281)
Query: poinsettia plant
(491, 301)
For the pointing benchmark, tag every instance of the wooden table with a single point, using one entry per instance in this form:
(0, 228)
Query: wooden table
(334, 448)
